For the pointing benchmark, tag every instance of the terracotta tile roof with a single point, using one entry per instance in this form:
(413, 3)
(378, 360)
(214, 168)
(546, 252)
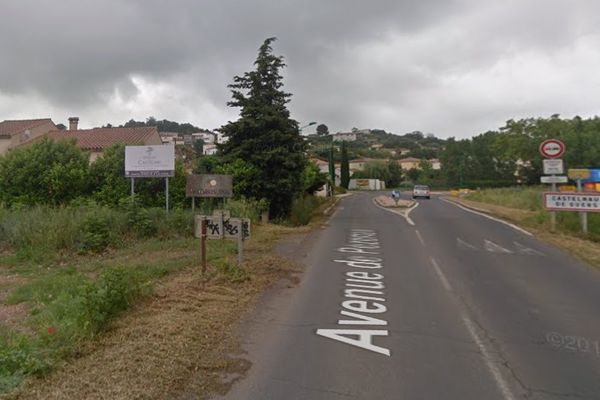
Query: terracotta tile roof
(101, 138)
(14, 127)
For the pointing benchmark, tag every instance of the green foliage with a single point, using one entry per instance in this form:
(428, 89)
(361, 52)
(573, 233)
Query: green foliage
(111, 186)
(303, 209)
(265, 136)
(164, 125)
(344, 167)
(510, 155)
(530, 198)
(413, 175)
(68, 309)
(246, 177)
(322, 130)
(313, 178)
(97, 232)
(48, 172)
(207, 164)
(389, 172)
(108, 176)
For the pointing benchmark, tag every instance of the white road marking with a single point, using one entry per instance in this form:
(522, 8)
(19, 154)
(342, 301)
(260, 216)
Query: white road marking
(495, 248)
(420, 237)
(440, 274)
(410, 221)
(522, 249)
(488, 359)
(518, 228)
(403, 214)
(465, 245)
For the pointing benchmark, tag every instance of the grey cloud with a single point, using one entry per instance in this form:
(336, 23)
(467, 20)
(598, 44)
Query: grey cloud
(389, 64)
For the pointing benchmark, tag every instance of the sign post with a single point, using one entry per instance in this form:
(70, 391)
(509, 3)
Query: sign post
(551, 150)
(578, 175)
(220, 225)
(150, 162)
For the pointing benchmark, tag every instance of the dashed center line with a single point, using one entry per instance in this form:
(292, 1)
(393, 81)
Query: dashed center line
(440, 274)
(488, 358)
(420, 237)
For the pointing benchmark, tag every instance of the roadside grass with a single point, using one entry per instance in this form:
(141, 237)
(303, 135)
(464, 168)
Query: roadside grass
(524, 198)
(82, 306)
(523, 206)
(179, 342)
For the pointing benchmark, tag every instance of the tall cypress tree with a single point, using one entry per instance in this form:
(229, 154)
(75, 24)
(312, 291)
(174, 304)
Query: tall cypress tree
(344, 167)
(265, 136)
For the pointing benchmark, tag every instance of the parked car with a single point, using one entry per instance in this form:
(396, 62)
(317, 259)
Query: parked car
(421, 191)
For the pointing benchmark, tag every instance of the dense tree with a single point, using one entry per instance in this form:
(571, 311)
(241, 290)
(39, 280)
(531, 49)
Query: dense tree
(344, 167)
(47, 172)
(322, 130)
(265, 136)
(313, 178)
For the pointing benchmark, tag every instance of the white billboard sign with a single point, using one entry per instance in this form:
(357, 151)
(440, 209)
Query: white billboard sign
(553, 166)
(572, 201)
(150, 161)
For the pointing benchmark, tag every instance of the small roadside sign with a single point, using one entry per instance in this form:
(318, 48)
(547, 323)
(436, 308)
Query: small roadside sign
(562, 201)
(582, 173)
(209, 186)
(554, 179)
(552, 148)
(553, 166)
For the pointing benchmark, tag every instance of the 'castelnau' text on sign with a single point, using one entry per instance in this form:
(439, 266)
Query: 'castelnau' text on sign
(566, 201)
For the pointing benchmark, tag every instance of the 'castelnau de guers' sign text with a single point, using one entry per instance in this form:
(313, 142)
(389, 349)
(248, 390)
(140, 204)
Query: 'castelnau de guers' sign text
(572, 201)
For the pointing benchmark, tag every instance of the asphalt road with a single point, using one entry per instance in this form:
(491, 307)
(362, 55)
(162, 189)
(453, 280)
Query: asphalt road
(457, 306)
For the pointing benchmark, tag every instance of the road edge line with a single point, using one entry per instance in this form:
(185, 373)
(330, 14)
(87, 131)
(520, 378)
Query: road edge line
(480, 213)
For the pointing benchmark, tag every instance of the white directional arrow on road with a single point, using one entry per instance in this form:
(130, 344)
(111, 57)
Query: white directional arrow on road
(461, 244)
(495, 248)
(521, 249)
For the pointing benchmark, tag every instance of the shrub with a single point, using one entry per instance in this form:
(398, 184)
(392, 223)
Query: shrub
(47, 172)
(303, 209)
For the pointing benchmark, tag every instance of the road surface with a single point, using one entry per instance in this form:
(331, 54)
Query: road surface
(456, 306)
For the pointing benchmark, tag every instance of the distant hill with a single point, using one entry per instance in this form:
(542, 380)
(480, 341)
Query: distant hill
(163, 125)
(377, 143)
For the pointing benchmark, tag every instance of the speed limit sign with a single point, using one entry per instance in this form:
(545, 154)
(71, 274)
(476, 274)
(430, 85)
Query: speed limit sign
(552, 148)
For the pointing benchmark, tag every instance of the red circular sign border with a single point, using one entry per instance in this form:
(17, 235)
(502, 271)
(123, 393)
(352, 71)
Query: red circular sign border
(560, 144)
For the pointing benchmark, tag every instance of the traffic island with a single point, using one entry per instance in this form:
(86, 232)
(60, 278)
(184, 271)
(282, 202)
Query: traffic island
(388, 202)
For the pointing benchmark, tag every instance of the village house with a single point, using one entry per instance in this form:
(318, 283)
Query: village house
(14, 133)
(410, 163)
(97, 140)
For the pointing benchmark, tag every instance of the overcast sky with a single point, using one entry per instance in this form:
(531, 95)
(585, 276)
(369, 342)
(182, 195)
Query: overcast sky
(453, 68)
